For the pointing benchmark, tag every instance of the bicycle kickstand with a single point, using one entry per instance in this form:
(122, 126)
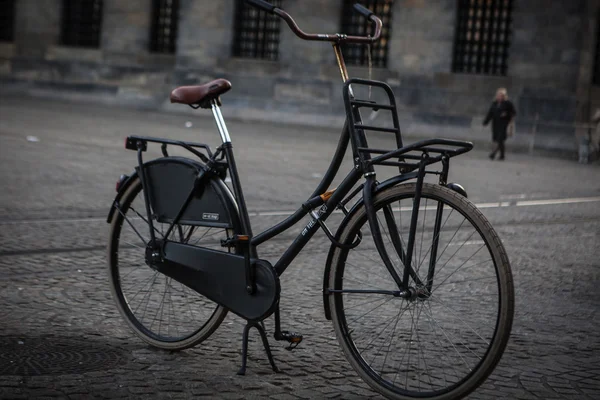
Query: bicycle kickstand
(261, 330)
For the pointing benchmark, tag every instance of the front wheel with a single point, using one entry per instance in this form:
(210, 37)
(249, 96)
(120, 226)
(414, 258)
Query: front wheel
(445, 340)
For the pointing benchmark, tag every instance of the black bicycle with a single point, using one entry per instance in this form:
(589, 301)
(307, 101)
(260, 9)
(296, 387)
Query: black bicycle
(417, 282)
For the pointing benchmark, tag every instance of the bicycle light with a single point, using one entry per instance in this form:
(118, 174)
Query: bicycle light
(120, 181)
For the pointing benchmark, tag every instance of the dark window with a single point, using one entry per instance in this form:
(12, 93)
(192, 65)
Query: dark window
(482, 39)
(256, 32)
(354, 23)
(164, 26)
(81, 23)
(596, 77)
(7, 20)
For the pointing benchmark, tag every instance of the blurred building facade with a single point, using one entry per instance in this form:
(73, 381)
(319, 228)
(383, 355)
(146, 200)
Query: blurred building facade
(443, 58)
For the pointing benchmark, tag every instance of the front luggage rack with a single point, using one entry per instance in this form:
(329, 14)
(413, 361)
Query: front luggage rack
(407, 158)
(410, 160)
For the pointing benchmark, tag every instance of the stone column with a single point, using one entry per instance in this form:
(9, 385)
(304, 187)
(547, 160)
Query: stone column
(545, 48)
(205, 32)
(587, 60)
(422, 37)
(37, 26)
(126, 29)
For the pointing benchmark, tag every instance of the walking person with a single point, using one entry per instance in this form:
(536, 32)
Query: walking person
(501, 114)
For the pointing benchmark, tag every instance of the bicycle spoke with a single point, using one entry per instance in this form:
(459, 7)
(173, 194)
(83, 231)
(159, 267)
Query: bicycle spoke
(389, 239)
(360, 281)
(390, 319)
(423, 353)
(418, 347)
(450, 241)
(161, 309)
(452, 344)
(133, 245)
(184, 289)
(364, 303)
(433, 323)
(436, 237)
(400, 313)
(457, 250)
(460, 266)
(373, 309)
(442, 353)
(132, 227)
(149, 294)
(201, 237)
(455, 313)
(146, 221)
(132, 271)
(149, 280)
(371, 272)
(407, 349)
(468, 280)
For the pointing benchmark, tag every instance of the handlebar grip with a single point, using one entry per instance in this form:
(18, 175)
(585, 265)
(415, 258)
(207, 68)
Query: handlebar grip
(263, 5)
(363, 10)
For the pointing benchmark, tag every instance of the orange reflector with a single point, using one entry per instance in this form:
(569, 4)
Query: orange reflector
(325, 196)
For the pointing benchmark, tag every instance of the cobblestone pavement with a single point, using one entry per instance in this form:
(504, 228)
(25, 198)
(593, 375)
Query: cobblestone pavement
(62, 337)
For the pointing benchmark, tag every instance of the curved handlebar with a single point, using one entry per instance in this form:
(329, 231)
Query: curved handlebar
(336, 37)
(363, 10)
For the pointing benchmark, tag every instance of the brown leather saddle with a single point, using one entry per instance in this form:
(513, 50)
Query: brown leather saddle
(201, 95)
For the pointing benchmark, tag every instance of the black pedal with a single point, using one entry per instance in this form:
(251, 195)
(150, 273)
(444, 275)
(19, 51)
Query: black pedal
(293, 338)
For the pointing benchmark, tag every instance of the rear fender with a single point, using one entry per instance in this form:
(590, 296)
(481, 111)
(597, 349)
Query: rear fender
(120, 192)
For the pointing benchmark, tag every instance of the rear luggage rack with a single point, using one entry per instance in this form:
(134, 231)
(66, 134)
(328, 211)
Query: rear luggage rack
(407, 158)
(132, 143)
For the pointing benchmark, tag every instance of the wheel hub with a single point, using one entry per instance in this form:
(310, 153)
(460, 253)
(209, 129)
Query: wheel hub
(153, 255)
(419, 292)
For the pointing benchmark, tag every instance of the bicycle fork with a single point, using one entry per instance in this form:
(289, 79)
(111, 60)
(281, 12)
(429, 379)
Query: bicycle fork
(405, 255)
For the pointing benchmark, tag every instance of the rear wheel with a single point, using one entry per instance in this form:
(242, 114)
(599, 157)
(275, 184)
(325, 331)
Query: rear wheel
(160, 310)
(447, 338)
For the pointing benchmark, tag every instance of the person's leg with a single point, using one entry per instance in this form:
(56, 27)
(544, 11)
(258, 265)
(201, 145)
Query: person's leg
(493, 153)
(501, 148)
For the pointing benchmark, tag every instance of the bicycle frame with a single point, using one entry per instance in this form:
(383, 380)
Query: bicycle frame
(322, 203)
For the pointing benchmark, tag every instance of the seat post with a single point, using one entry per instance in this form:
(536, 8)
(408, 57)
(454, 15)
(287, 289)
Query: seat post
(220, 121)
(233, 172)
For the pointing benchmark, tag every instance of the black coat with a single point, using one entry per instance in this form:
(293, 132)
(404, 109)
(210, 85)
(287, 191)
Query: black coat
(500, 113)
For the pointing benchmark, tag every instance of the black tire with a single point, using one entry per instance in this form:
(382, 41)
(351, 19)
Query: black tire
(189, 318)
(469, 310)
